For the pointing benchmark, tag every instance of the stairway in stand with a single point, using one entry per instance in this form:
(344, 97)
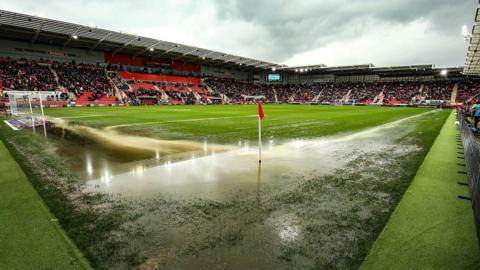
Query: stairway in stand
(453, 98)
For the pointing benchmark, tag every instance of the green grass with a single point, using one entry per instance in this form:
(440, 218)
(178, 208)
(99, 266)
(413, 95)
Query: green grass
(431, 228)
(228, 124)
(30, 236)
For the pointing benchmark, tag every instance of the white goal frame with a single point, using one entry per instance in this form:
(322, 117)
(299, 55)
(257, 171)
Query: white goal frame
(30, 97)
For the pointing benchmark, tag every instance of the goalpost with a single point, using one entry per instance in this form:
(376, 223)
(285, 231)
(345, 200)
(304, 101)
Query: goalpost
(3, 99)
(25, 110)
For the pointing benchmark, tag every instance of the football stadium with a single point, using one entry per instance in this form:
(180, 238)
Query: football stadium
(124, 151)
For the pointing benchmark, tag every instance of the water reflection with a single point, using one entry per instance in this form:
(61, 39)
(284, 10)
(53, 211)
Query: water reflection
(92, 160)
(259, 182)
(106, 178)
(214, 174)
(88, 161)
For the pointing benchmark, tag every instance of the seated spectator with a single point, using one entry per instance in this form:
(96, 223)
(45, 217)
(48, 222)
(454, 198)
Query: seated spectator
(26, 75)
(82, 78)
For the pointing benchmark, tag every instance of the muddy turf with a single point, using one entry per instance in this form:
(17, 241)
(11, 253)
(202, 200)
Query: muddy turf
(180, 187)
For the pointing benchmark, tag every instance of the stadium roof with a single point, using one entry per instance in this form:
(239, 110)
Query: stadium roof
(472, 62)
(36, 29)
(47, 31)
(370, 69)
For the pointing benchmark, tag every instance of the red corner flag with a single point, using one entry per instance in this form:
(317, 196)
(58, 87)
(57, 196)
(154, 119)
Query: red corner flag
(261, 114)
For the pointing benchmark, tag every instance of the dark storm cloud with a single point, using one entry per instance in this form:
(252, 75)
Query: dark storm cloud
(335, 32)
(297, 26)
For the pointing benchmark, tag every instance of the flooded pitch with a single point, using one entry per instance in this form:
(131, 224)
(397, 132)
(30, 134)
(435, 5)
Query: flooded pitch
(311, 203)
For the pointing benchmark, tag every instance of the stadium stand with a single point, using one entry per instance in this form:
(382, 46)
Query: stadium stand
(23, 74)
(94, 84)
(87, 82)
(437, 90)
(467, 89)
(400, 92)
(364, 93)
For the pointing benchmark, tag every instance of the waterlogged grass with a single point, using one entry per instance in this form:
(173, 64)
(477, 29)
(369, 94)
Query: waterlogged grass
(318, 222)
(229, 123)
(325, 222)
(93, 221)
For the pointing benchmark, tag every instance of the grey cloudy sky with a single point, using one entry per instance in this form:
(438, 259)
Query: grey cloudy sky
(302, 32)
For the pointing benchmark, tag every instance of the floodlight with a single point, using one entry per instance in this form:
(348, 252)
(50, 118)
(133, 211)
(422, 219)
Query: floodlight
(75, 37)
(464, 30)
(273, 69)
(151, 49)
(444, 72)
(466, 35)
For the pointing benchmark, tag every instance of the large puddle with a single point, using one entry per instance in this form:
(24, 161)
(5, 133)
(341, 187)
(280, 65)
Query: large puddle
(208, 206)
(102, 153)
(137, 166)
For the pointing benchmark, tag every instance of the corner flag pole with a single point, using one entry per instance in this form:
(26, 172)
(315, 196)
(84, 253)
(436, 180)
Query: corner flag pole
(259, 139)
(261, 115)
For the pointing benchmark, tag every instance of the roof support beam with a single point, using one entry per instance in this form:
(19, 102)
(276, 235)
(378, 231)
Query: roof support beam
(147, 49)
(169, 50)
(99, 42)
(71, 37)
(254, 63)
(124, 45)
(264, 65)
(207, 54)
(218, 58)
(187, 53)
(246, 61)
(37, 32)
(233, 59)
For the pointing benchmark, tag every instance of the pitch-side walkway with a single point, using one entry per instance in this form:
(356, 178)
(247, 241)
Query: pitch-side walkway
(30, 238)
(431, 228)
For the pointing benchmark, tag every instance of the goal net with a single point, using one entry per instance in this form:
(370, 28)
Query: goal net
(24, 110)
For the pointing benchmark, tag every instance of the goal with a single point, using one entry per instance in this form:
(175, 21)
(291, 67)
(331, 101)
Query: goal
(24, 110)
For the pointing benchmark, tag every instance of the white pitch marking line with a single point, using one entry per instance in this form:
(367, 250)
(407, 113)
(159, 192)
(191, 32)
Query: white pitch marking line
(181, 120)
(85, 116)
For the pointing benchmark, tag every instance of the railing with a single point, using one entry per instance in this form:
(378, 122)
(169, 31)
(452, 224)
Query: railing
(471, 148)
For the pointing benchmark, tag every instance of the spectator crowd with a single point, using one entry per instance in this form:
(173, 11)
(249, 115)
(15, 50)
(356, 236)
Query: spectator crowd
(82, 78)
(23, 74)
(92, 83)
